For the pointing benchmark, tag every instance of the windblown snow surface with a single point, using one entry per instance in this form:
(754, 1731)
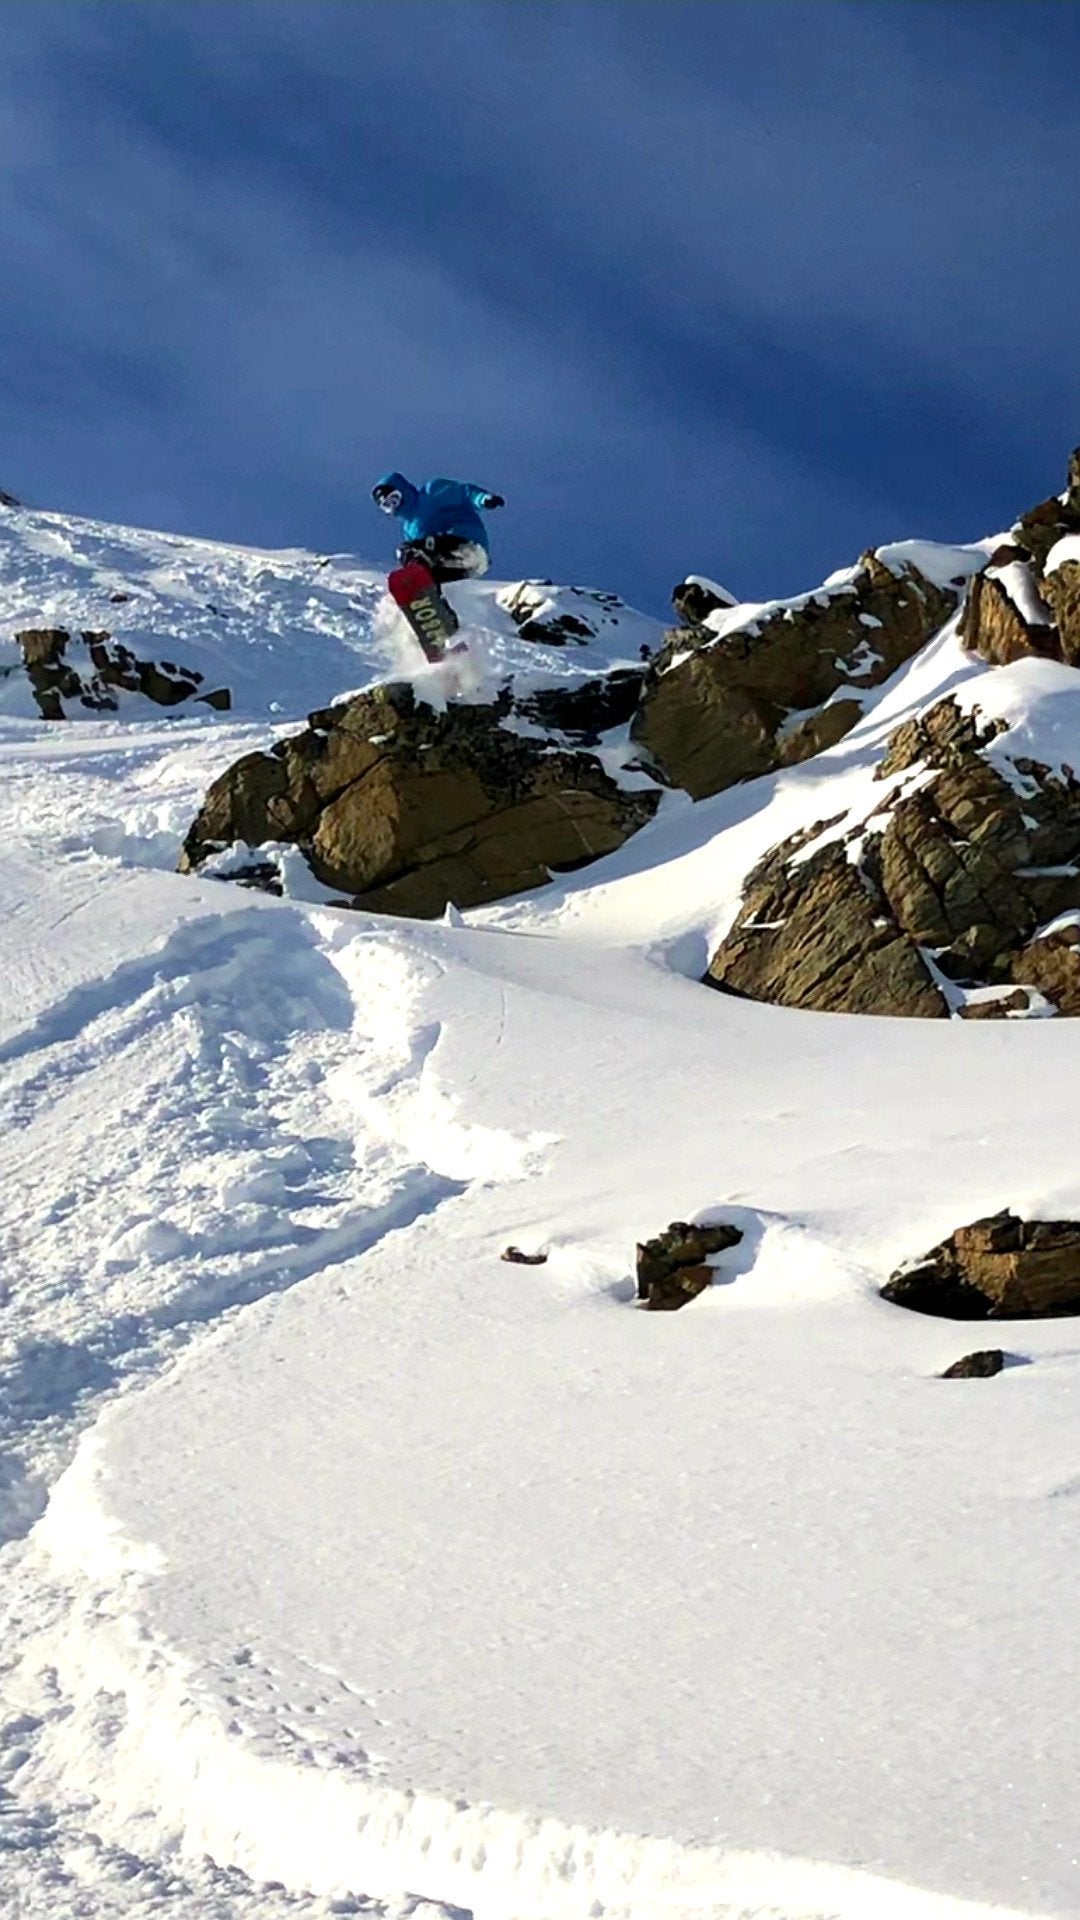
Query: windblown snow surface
(350, 1568)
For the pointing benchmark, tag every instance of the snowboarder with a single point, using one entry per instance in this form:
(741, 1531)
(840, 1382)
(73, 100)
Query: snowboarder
(440, 524)
(444, 539)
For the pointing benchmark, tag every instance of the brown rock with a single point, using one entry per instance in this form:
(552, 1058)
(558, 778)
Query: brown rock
(993, 627)
(404, 809)
(255, 801)
(519, 1259)
(964, 868)
(1061, 591)
(999, 1267)
(693, 601)
(672, 1268)
(999, 1008)
(1052, 965)
(941, 737)
(818, 731)
(713, 710)
(58, 673)
(677, 1289)
(814, 935)
(1041, 528)
(48, 670)
(976, 1366)
(950, 868)
(538, 616)
(43, 646)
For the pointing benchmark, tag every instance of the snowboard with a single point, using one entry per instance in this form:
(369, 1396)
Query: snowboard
(426, 609)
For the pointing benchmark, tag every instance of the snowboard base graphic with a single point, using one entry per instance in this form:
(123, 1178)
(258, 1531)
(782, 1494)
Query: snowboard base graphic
(426, 609)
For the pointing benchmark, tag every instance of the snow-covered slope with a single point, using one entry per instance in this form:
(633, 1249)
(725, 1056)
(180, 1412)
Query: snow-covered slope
(285, 632)
(347, 1556)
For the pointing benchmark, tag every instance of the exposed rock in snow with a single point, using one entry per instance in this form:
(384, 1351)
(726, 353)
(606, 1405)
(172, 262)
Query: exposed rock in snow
(585, 711)
(695, 598)
(402, 809)
(1051, 964)
(1061, 590)
(560, 616)
(675, 1266)
(94, 670)
(998, 1268)
(716, 703)
(804, 735)
(1028, 601)
(813, 935)
(8, 499)
(940, 888)
(1038, 531)
(976, 1366)
(1002, 625)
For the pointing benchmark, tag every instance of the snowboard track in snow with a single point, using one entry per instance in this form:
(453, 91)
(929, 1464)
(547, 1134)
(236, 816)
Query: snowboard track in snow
(54, 1386)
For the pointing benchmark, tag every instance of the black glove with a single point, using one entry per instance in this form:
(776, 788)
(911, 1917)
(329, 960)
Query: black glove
(493, 500)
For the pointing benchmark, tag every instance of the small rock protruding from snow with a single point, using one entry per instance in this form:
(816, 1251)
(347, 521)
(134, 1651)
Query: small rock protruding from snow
(8, 499)
(559, 616)
(675, 1266)
(976, 1366)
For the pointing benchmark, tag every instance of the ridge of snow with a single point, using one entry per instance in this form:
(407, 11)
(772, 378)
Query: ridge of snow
(940, 564)
(1066, 549)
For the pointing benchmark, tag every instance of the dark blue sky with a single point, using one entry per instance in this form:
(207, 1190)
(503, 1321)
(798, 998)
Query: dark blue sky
(720, 287)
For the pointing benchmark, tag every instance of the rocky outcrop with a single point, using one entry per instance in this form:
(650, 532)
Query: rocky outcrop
(93, 670)
(719, 707)
(8, 499)
(695, 598)
(399, 808)
(954, 881)
(812, 934)
(559, 616)
(674, 1268)
(998, 1268)
(1028, 600)
(584, 712)
(993, 624)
